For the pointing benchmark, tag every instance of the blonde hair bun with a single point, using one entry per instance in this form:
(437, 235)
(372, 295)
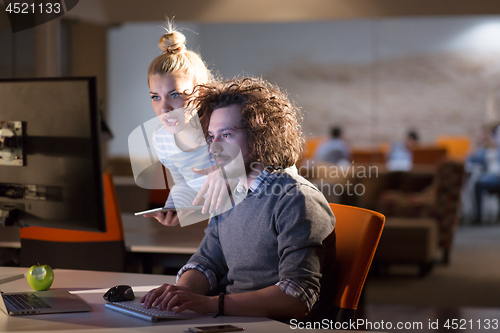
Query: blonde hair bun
(177, 58)
(172, 42)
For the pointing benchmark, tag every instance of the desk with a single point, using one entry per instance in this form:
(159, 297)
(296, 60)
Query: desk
(148, 235)
(145, 238)
(142, 235)
(149, 242)
(9, 237)
(91, 286)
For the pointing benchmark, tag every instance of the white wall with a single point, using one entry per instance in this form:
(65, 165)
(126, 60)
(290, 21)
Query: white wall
(417, 36)
(267, 49)
(258, 48)
(132, 47)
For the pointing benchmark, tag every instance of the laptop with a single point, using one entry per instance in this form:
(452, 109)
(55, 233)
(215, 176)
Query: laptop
(137, 309)
(38, 302)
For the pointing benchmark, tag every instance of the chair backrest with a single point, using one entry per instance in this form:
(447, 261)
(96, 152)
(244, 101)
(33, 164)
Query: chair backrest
(429, 155)
(449, 178)
(457, 146)
(74, 249)
(357, 232)
(367, 156)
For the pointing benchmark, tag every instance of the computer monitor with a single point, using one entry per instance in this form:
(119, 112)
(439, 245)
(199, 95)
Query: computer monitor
(50, 166)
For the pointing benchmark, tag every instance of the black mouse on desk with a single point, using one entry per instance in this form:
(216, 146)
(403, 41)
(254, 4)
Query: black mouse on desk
(119, 294)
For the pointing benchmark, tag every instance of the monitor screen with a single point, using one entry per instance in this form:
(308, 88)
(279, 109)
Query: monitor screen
(50, 166)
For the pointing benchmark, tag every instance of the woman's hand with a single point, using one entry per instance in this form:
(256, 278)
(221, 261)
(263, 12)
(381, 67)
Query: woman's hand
(215, 187)
(170, 218)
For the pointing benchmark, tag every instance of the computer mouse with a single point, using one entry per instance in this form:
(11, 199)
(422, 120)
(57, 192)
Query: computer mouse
(119, 294)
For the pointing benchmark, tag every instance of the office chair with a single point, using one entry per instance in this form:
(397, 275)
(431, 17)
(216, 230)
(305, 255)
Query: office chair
(71, 249)
(458, 147)
(357, 233)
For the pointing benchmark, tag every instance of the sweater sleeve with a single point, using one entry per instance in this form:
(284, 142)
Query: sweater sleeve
(210, 256)
(303, 220)
(306, 294)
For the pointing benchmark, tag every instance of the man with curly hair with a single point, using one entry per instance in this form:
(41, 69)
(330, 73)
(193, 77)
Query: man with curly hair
(266, 254)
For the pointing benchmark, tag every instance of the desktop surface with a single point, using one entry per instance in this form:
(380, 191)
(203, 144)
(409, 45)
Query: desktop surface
(142, 235)
(91, 286)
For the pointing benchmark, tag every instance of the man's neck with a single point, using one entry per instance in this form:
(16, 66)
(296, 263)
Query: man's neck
(255, 171)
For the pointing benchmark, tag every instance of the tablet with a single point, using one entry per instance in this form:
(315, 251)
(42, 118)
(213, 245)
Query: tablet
(164, 209)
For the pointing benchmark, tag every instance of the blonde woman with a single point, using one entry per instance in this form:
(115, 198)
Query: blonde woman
(179, 143)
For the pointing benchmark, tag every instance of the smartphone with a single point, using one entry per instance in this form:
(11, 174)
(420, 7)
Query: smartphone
(164, 209)
(215, 328)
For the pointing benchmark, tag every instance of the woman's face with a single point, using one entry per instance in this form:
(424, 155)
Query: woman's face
(169, 100)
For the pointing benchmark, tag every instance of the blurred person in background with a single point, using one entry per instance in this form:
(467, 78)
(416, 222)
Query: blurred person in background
(336, 150)
(483, 165)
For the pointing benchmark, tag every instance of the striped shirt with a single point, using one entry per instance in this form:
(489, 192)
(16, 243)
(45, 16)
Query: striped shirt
(180, 164)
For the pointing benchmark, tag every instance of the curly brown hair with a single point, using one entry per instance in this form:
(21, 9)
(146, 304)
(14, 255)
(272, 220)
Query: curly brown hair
(271, 120)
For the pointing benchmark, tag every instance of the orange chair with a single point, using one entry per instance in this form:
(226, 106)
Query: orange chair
(457, 146)
(311, 144)
(357, 233)
(368, 156)
(429, 155)
(71, 249)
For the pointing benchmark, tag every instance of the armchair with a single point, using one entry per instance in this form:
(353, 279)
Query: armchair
(440, 201)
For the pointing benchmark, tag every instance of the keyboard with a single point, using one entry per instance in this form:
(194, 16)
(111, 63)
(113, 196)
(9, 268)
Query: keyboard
(26, 301)
(137, 309)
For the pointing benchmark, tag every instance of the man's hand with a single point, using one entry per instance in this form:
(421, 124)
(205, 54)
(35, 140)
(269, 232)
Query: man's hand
(155, 296)
(168, 297)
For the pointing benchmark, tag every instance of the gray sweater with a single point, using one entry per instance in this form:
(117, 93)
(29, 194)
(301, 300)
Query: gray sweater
(275, 233)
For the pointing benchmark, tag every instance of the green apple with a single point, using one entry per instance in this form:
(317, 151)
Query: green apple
(40, 277)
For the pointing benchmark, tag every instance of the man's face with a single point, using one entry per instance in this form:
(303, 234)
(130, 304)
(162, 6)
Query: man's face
(227, 136)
